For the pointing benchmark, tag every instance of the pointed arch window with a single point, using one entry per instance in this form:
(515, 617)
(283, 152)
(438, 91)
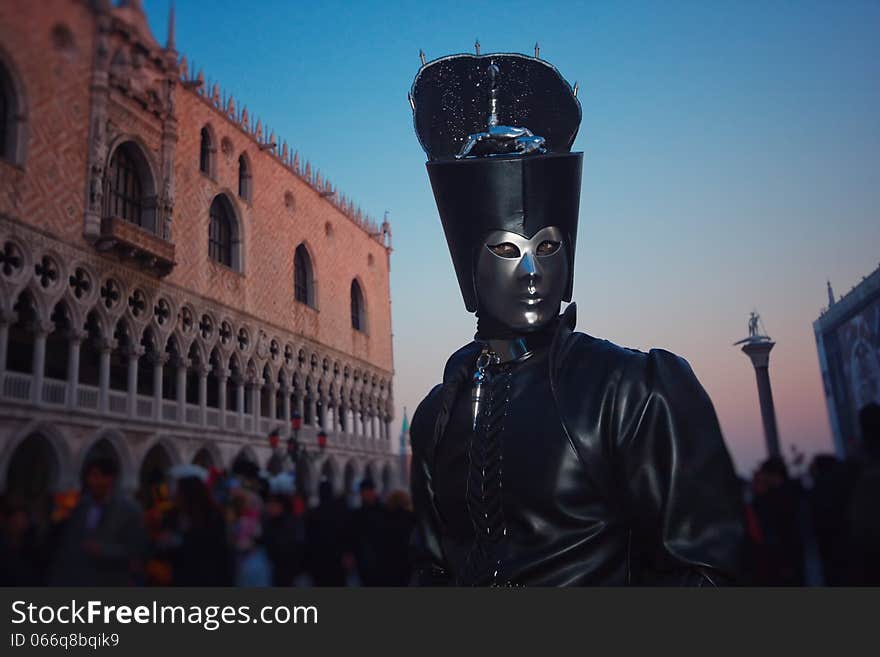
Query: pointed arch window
(125, 198)
(5, 107)
(303, 277)
(129, 191)
(206, 151)
(244, 178)
(358, 319)
(223, 242)
(11, 118)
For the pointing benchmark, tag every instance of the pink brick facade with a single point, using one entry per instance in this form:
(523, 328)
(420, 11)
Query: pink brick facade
(84, 79)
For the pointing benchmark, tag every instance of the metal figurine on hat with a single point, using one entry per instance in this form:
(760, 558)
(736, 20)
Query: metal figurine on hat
(547, 456)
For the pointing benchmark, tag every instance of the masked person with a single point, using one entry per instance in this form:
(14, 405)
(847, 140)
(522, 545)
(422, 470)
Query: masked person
(547, 456)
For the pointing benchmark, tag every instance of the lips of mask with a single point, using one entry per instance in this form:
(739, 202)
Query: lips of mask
(520, 282)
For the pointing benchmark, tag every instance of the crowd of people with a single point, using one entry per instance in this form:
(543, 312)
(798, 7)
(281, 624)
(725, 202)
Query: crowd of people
(822, 526)
(194, 527)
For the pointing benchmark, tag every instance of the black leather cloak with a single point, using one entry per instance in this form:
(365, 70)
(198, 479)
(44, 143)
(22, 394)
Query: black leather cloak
(595, 465)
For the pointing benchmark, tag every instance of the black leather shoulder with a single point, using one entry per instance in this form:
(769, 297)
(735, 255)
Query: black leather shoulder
(595, 378)
(587, 375)
(430, 417)
(634, 374)
(460, 362)
(421, 429)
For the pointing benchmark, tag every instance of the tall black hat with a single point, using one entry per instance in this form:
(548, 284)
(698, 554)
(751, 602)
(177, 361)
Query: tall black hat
(498, 131)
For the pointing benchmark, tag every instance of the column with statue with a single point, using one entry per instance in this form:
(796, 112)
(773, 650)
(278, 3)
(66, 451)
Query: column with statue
(757, 347)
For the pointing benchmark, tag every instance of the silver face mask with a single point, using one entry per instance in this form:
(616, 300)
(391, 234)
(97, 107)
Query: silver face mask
(520, 282)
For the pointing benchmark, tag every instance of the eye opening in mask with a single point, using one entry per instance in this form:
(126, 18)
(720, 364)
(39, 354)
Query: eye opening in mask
(547, 248)
(504, 250)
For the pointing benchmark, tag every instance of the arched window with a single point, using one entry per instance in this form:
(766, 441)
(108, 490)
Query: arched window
(206, 152)
(303, 277)
(126, 192)
(130, 193)
(5, 111)
(11, 119)
(223, 233)
(358, 318)
(244, 178)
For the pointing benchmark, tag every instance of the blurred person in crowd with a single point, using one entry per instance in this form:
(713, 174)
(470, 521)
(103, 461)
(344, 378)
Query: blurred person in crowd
(245, 511)
(399, 525)
(777, 504)
(864, 512)
(755, 559)
(327, 539)
(22, 547)
(828, 497)
(102, 542)
(195, 540)
(368, 532)
(284, 532)
(158, 506)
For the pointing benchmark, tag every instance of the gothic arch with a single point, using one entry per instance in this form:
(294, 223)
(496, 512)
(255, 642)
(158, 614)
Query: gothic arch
(245, 178)
(305, 275)
(62, 478)
(127, 472)
(247, 453)
(224, 213)
(158, 442)
(208, 151)
(329, 470)
(386, 482)
(132, 148)
(209, 448)
(359, 306)
(13, 145)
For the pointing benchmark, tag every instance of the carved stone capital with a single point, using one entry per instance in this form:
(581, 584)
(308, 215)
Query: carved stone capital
(76, 335)
(105, 346)
(43, 327)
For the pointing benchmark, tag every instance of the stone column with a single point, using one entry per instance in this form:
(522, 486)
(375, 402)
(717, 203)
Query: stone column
(239, 400)
(38, 362)
(4, 344)
(330, 414)
(222, 376)
(308, 409)
(255, 403)
(134, 354)
(300, 404)
(758, 352)
(273, 403)
(181, 364)
(106, 347)
(285, 408)
(159, 361)
(322, 415)
(203, 371)
(75, 337)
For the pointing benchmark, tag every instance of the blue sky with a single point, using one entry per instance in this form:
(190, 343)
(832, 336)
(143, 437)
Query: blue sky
(731, 163)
